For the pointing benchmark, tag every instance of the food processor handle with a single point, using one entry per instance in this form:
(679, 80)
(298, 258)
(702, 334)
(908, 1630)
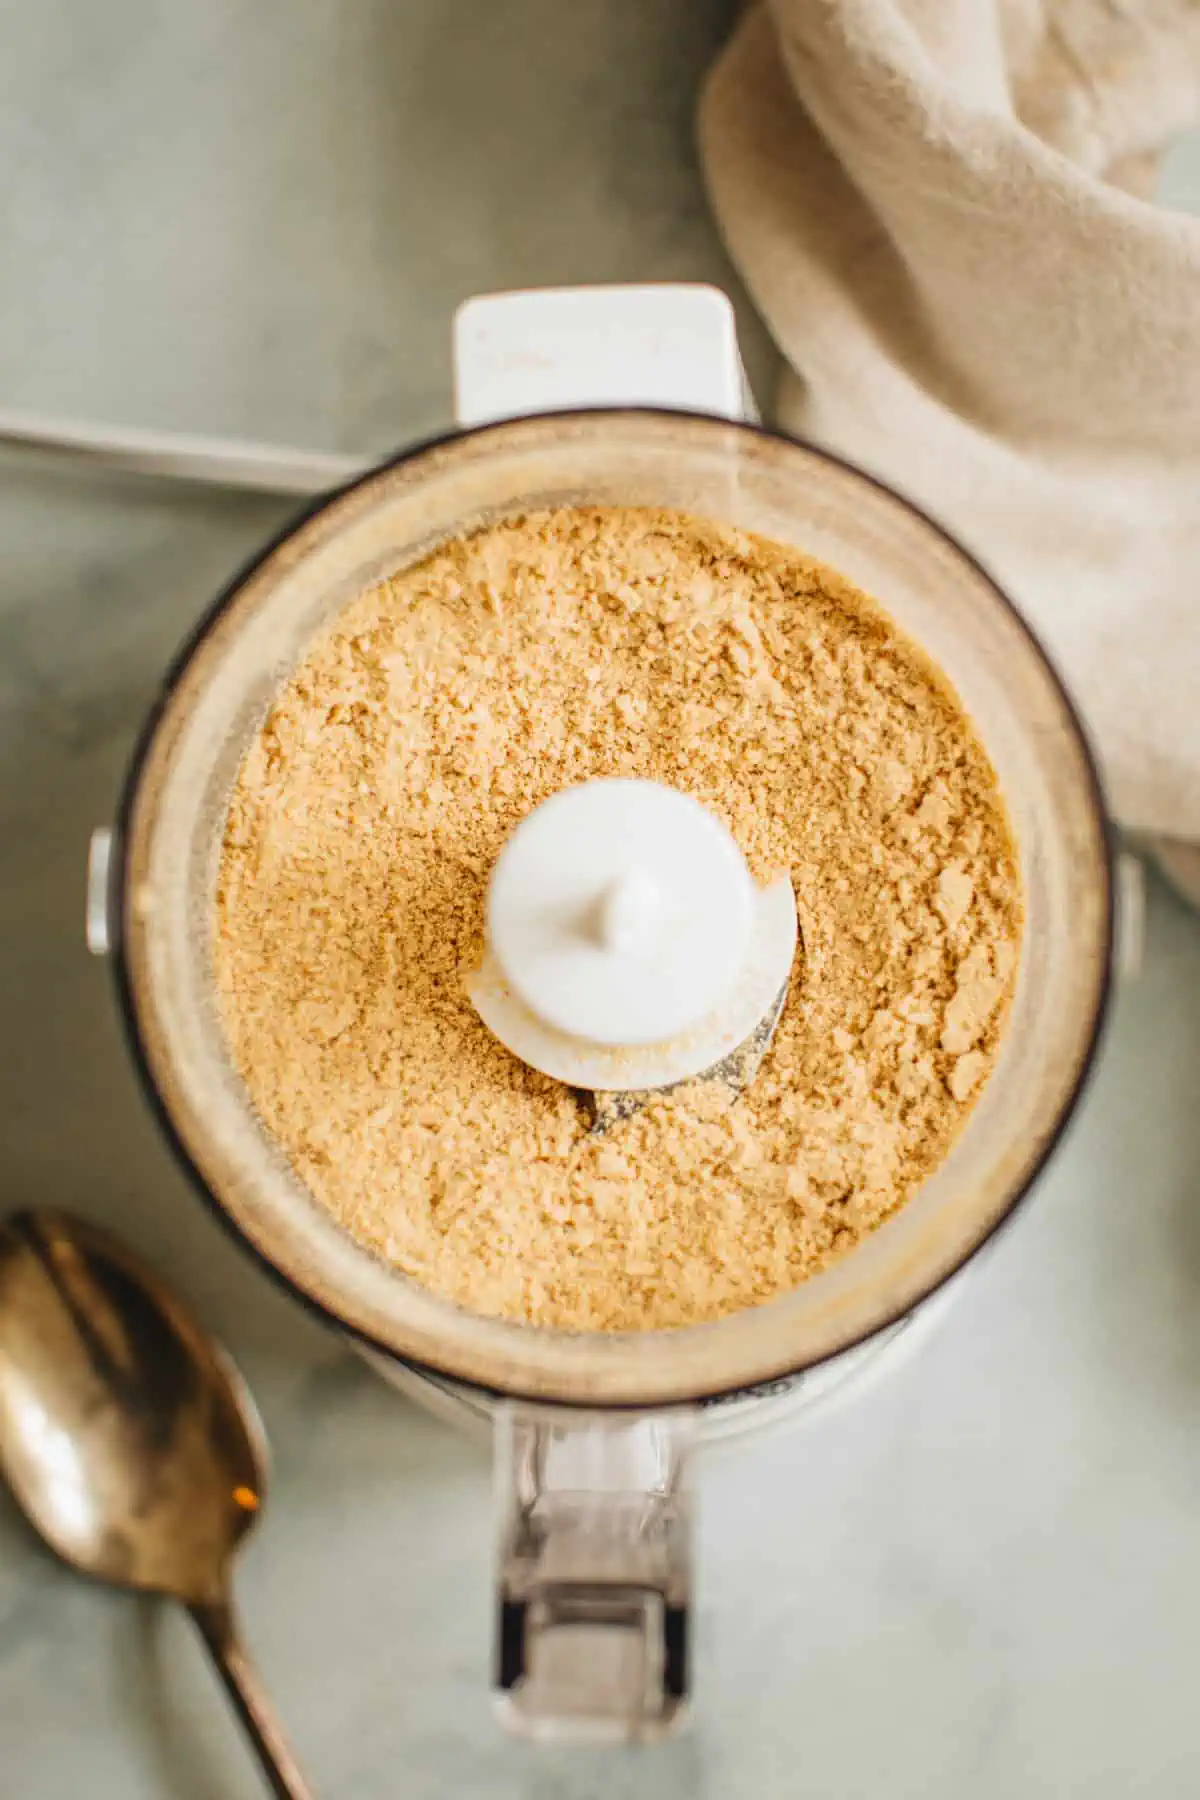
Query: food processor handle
(593, 1572)
(593, 1575)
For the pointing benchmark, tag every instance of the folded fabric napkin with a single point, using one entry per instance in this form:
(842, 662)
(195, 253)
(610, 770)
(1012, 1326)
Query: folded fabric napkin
(939, 207)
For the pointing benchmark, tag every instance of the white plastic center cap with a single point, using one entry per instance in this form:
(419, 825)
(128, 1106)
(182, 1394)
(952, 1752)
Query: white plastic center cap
(626, 911)
(620, 912)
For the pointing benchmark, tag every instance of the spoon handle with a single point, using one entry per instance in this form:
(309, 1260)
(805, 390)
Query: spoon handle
(217, 1626)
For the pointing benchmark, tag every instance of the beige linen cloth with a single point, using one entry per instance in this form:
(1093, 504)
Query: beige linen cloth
(938, 206)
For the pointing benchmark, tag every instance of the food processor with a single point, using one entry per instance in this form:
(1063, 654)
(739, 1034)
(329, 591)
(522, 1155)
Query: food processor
(627, 397)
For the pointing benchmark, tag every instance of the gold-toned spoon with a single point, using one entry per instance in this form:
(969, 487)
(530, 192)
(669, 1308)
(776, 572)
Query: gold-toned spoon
(129, 1439)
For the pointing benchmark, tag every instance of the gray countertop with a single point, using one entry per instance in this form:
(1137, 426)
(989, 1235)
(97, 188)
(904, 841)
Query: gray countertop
(980, 1578)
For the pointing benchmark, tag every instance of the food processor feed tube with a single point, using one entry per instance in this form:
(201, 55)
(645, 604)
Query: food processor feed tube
(594, 1430)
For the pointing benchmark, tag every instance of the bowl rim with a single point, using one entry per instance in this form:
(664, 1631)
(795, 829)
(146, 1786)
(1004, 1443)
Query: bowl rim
(321, 1306)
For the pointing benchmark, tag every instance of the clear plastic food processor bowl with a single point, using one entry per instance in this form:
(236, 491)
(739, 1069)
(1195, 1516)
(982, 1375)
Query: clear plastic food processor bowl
(595, 1429)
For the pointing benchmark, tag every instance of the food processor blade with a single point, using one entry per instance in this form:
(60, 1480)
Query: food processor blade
(606, 1107)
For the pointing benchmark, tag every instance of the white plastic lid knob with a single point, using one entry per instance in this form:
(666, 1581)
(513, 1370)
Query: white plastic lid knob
(620, 912)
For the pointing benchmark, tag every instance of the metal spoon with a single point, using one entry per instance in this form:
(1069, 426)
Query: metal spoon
(130, 1441)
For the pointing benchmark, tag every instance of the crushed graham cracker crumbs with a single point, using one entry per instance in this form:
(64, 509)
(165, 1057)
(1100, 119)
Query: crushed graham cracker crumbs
(439, 709)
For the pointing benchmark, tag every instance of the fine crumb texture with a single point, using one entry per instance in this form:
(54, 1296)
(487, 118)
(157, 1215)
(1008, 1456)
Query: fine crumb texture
(439, 709)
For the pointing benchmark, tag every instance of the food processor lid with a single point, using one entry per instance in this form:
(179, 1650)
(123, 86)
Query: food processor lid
(221, 687)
